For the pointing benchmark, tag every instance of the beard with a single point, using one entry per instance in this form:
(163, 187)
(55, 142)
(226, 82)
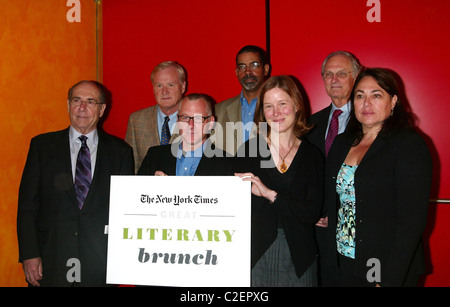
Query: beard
(249, 86)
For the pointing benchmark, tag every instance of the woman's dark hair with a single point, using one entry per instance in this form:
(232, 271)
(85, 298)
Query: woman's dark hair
(399, 118)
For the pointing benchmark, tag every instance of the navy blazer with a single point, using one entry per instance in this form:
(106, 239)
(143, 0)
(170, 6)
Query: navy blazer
(392, 186)
(49, 223)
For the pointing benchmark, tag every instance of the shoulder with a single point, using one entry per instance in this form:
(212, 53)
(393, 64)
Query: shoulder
(226, 103)
(161, 150)
(144, 113)
(324, 113)
(311, 149)
(50, 137)
(407, 139)
(112, 140)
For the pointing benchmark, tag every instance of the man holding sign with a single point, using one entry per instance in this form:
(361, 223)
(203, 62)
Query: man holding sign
(195, 154)
(171, 229)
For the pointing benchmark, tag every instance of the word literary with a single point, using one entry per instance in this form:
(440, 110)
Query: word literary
(178, 234)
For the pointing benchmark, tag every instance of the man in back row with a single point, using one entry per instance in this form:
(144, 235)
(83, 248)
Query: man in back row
(154, 125)
(339, 72)
(252, 69)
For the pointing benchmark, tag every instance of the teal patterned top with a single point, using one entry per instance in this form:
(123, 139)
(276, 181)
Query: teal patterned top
(346, 220)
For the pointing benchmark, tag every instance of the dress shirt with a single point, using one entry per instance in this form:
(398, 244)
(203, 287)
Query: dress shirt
(75, 145)
(172, 121)
(187, 162)
(343, 118)
(247, 115)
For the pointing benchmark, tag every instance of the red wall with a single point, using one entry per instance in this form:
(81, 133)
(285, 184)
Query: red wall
(204, 36)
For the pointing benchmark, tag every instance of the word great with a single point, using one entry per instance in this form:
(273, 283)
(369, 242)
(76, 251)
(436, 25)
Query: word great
(178, 234)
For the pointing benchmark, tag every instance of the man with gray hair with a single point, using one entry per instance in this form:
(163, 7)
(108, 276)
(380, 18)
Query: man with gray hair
(339, 71)
(154, 125)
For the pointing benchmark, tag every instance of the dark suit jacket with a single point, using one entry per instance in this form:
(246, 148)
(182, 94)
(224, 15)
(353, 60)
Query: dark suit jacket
(49, 223)
(392, 186)
(320, 121)
(297, 207)
(214, 161)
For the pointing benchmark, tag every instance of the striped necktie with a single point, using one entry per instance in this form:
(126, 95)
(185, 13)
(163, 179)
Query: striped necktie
(83, 172)
(332, 130)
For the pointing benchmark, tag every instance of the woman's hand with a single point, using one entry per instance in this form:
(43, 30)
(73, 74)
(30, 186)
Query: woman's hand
(160, 173)
(258, 188)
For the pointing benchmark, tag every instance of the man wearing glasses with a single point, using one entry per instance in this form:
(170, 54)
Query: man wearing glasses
(191, 153)
(64, 193)
(252, 69)
(339, 72)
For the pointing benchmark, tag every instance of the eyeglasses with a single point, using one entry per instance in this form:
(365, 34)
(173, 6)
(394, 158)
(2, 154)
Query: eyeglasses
(196, 119)
(77, 101)
(252, 66)
(342, 74)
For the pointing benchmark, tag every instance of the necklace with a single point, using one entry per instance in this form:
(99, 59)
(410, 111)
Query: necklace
(283, 166)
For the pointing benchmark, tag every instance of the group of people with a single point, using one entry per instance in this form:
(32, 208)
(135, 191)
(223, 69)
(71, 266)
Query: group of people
(330, 192)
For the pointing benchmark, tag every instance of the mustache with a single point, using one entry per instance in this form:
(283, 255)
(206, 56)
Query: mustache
(252, 78)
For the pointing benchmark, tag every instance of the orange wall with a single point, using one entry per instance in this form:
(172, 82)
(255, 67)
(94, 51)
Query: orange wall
(41, 56)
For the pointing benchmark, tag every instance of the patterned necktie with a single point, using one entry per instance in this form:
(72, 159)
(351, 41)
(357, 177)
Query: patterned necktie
(83, 172)
(332, 130)
(165, 132)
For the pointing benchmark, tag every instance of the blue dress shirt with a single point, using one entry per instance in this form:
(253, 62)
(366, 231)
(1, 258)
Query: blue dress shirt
(247, 115)
(187, 162)
(172, 121)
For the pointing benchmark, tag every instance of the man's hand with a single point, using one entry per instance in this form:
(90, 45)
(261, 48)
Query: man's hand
(323, 222)
(33, 270)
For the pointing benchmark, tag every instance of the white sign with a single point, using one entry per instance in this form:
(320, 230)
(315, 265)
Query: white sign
(187, 231)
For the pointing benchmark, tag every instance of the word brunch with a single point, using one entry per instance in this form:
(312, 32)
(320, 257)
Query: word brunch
(178, 235)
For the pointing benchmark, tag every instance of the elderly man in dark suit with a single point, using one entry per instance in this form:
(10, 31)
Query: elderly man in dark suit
(63, 206)
(192, 153)
(339, 71)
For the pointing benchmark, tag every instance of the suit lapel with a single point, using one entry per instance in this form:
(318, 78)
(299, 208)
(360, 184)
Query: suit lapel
(322, 126)
(234, 111)
(206, 164)
(101, 167)
(377, 144)
(150, 126)
(61, 151)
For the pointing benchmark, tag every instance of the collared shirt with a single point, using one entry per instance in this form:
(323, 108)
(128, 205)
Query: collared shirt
(343, 118)
(187, 162)
(75, 145)
(247, 115)
(172, 121)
